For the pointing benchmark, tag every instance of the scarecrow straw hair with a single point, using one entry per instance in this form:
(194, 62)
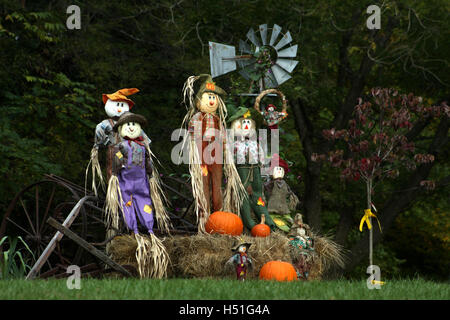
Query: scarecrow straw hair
(205, 255)
(95, 167)
(234, 191)
(195, 170)
(113, 202)
(157, 195)
(151, 256)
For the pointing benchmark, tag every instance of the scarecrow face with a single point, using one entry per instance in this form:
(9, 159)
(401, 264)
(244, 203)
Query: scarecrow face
(247, 127)
(270, 108)
(116, 108)
(278, 172)
(131, 130)
(242, 249)
(209, 102)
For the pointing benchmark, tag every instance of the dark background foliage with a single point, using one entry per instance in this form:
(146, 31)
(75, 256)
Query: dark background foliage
(52, 78)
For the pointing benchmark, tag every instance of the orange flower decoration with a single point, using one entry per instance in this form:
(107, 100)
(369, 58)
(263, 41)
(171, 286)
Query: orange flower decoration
(204, 170)
(210, 86)
(260, 202)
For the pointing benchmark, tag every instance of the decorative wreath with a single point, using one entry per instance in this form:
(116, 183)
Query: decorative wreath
(283, 113)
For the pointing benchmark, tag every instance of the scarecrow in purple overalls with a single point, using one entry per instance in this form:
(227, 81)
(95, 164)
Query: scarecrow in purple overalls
(241, 260)
(131, 189)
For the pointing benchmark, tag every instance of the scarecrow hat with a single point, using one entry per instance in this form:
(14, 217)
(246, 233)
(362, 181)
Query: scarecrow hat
(281, 163)
(130, 117)
(239, 244)
(270, 105)
(120, 95)
(236, 113)
(208, 85)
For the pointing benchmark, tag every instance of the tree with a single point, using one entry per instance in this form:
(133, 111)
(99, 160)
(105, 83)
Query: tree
(376, 143)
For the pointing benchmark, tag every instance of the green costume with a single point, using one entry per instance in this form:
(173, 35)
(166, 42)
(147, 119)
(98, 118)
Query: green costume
(251, 176)
(249, 156)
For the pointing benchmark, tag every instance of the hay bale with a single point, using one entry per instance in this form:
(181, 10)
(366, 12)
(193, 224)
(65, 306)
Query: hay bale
(205, 255)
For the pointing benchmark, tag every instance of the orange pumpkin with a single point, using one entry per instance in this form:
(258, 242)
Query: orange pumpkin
(261, 230)
(224, 223)
(278, 270)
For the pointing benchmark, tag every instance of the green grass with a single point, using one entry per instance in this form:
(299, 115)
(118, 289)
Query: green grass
(213, 289)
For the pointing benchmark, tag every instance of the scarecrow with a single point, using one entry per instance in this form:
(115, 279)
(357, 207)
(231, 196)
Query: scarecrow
(134, 191)
(240, 259)
(281, 199)
(272, 117)
(249, 159)
(116, 104)
(209, 157)
(302, 246)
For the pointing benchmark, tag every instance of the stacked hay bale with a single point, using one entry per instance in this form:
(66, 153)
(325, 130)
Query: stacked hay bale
(204, 255)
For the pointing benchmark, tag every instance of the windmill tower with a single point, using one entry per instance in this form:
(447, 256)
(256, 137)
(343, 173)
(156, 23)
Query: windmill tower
(263, 59)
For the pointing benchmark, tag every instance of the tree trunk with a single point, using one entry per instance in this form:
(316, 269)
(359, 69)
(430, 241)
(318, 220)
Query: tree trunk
(312, 200)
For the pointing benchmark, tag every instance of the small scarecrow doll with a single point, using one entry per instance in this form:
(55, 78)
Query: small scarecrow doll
(272, 117)
(281, 199)
(209, 157)
(240, 259)
(116, 104)
(302, 246)
(134, 191)
(249, 158)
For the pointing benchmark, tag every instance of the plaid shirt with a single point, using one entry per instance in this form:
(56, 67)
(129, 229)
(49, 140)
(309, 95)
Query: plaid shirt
(204, 122)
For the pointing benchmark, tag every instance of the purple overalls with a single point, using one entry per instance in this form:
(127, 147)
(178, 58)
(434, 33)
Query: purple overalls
(135, 188)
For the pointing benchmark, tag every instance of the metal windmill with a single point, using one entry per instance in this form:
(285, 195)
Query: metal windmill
(265, 60)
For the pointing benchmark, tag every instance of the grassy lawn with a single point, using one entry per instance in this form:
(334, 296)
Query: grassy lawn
(213, 289)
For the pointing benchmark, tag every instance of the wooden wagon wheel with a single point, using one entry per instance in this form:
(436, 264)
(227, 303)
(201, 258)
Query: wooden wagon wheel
(181, 202)
(28, 212)
(266, 92)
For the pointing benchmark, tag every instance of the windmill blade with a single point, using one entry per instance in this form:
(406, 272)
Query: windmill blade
(275, 32)
(244, 47)
(246, 67)
(263, 32)
(252, 37)
(284, 41)
(269, 80)
(290, 52)
(280, 74)
(287, 64)
(219, 66)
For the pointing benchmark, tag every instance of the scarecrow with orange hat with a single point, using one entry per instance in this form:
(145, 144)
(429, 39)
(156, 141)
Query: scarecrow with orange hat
(281, 200)
(116, 104)
(209, 157)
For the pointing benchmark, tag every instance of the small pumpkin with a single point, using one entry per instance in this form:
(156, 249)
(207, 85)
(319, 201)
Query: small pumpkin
(278, 270)
(261, 230)
(224, 223)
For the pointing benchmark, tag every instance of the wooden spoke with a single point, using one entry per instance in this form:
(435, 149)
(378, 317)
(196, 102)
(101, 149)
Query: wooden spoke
(47, 209)
(28, 216)
(14, 223)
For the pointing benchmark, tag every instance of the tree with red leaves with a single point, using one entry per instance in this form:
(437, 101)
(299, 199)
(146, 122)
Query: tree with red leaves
(375, 144)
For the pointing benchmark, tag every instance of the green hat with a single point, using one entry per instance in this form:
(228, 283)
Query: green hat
(236, 113)
(208, 85)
